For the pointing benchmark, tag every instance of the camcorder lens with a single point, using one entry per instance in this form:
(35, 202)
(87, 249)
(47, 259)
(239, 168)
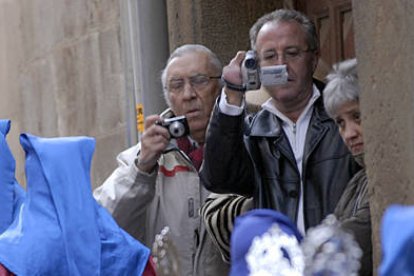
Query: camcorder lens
(250, 63)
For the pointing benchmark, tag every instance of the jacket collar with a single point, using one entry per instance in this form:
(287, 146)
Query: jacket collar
(266, 124)
(317, 128)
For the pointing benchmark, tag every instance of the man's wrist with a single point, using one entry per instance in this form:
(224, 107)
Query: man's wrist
(144, 167)
(233, 86)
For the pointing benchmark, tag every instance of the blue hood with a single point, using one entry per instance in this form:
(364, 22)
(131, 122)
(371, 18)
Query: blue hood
(60, 229)
(11, 193)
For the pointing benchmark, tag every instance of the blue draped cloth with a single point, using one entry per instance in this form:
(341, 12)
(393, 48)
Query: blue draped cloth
(60, 229)
(397, 240)
(11, 193)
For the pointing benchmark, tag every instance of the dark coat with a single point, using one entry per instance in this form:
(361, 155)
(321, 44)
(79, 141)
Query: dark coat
(253, 157)
(354, 214)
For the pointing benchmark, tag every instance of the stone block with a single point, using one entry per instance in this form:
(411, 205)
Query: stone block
(108, 146)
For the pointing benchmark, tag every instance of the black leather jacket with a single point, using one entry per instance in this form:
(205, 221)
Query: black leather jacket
(261, 163)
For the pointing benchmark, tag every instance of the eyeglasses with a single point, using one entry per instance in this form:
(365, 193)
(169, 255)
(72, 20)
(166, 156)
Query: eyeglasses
(289, 55)
(197, 82)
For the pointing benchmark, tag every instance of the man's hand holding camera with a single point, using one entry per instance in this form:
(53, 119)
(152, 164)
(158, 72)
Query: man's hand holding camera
(156, 137)
(232, 74)
(244, 73)
(154, 140)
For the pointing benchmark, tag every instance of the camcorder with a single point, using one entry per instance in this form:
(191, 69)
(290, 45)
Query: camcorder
(254, 75)
(176, 126)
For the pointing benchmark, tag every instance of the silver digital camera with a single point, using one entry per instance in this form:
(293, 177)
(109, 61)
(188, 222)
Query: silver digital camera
(254, 75)
(177, 126)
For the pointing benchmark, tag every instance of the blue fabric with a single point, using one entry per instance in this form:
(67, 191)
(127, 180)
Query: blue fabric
(60, 229)
(121, 254)
(11, 193)
(250, 225)
(397, 239)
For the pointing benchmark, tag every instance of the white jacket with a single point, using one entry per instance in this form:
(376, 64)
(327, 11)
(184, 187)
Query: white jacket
(143, 204)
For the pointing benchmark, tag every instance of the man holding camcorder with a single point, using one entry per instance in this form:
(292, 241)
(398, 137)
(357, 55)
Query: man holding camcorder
(157, 181)
(289, 156)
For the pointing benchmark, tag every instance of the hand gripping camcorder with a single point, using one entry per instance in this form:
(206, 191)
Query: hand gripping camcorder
(254, 76)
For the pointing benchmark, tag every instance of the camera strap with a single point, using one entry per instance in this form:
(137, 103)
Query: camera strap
(194, 153)
(232, 86)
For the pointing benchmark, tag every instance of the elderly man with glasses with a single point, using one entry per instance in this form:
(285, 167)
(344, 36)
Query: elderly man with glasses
(157, 182)
(289, 156)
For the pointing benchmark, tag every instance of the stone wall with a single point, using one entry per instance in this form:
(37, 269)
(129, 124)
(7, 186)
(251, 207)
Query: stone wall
(385, 45)
(223, 26)
(62, 74)
(10, 59)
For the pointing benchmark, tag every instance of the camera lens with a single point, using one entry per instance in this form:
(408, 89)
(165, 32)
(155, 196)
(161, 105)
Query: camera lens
(176, 129)
(250, 63)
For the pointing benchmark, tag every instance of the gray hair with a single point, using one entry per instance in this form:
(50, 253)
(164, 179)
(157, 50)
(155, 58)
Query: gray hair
(342, 86)
(187, 49)
(286, 15)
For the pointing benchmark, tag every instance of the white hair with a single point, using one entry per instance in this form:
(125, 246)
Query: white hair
(342, 86)
(186, 49)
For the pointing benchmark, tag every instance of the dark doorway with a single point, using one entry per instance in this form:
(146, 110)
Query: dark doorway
(333, 19)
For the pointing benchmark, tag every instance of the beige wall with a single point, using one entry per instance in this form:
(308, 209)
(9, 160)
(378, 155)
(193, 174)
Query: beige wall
(61, 74)
(385, 47)
(10, 58)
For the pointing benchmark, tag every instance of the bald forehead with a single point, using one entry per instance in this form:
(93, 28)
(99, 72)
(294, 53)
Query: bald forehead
(290, 32)
(291, 26)
(189, 64)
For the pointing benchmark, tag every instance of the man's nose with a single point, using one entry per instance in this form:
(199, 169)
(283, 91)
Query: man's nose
(189, 90)
(280, 59)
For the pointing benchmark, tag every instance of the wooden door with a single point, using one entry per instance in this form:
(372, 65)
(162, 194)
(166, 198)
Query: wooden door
(333, 20)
